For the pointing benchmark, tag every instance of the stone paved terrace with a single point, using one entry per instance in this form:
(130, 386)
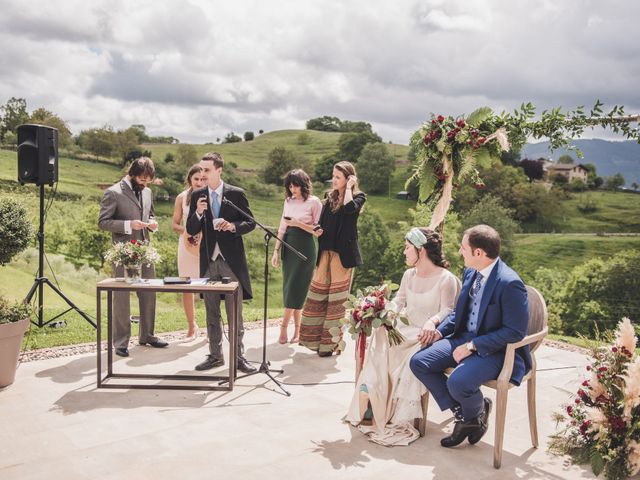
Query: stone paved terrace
(54, 423)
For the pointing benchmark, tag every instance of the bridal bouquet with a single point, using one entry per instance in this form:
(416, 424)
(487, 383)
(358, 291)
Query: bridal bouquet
(603, 421)
(370, 309)
(133, 253)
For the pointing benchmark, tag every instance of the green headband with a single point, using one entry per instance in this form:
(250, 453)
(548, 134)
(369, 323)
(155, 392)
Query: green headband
(416, 237)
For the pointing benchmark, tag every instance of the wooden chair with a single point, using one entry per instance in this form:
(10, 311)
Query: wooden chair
(537, 331)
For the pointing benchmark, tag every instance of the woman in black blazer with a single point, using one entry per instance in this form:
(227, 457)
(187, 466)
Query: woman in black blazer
(338, 254)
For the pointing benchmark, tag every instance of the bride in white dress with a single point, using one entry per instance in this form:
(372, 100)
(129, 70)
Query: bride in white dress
(387, 395)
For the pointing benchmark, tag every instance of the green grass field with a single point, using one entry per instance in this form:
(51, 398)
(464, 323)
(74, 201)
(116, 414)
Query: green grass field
(616, 212)
(564, 251)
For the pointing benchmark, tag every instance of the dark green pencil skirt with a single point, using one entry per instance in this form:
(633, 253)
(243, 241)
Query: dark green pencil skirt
(297, 273)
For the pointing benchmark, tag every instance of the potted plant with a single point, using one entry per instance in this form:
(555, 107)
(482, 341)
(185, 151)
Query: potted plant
(16, 231)
(132, 255)
(14, 321)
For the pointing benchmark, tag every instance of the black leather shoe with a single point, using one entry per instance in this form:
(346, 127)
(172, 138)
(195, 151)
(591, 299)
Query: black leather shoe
(325, 354)
(156, 343)
(122, 351)
(210, 363)
(245, 367)
(460, 432)
(484, 423)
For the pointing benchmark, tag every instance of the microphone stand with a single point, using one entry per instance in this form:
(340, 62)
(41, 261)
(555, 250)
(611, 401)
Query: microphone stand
(268, 235)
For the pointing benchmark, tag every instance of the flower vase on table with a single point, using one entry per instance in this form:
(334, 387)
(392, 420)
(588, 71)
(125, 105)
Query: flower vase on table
(132, 273)
(132, 255)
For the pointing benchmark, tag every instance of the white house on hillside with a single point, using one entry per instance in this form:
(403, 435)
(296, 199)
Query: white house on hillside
(569, 170)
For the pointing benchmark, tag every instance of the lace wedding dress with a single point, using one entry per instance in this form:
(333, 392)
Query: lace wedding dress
(386, 381)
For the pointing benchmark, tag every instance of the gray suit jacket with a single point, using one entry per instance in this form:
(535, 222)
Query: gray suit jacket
(118, 204)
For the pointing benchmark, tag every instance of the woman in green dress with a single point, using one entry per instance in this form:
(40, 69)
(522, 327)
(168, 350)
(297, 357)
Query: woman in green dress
(300, 215)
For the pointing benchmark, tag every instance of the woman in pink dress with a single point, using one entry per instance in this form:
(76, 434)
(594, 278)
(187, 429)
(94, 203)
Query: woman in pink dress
(188, 246)
(298, 227)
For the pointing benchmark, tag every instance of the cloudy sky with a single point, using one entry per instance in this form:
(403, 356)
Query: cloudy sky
(199, 69)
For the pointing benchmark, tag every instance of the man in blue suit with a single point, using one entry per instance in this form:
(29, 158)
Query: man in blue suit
(491, 312)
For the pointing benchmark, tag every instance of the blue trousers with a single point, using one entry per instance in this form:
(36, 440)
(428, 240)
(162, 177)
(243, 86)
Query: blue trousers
(462, 387)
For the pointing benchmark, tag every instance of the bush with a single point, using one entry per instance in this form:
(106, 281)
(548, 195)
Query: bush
(16, 230)
(13, 312)
(600, 292)
(490, 211)
(587, 204)
(248, 136)
(262, 190)
(304, 139)
(577, 185)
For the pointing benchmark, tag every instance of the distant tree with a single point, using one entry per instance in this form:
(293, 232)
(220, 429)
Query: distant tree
(373, 240)
(186, 155)
(565, 159)
(375, 166)
(141, 132)
(324, 167)
(600, 292)
(350, 144)
(325, 124)
(88, 242)
(279, 162)
(533, 169)
(231, 138)
(490, 211)
(218, 140)
(43, 116)
(260, 131)
(12, 114)
(614, 182)
(99, 141)
(597, 182)
(126, 145)
(248, 136)
(510, 158)
(635, 185)
(357, 127)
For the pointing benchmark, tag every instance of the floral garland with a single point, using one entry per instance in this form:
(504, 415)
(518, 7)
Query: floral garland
(449, 150)
(132, 253)
(603, 421)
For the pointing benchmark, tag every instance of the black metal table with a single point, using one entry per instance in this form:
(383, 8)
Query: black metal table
(110, 285)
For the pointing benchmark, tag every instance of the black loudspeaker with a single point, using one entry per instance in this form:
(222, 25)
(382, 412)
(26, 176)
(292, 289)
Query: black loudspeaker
(37, 154)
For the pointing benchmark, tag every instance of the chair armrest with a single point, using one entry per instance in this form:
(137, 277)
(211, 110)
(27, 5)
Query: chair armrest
(509, 355)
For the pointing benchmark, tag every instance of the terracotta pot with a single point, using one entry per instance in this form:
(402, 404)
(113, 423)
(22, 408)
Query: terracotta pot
(10, 341)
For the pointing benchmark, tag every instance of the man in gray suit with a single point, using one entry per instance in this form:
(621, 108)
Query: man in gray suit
(125, 211)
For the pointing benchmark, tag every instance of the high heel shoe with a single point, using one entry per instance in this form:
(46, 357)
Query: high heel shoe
(193, 336)
(283, 334)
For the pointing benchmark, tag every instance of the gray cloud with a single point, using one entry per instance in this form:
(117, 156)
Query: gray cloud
(198, 69)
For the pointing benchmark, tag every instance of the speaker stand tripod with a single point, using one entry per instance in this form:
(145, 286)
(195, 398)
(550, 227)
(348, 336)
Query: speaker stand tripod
(40, 281)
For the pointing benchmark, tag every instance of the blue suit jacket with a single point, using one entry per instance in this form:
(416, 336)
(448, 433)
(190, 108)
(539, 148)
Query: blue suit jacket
(503, 316)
